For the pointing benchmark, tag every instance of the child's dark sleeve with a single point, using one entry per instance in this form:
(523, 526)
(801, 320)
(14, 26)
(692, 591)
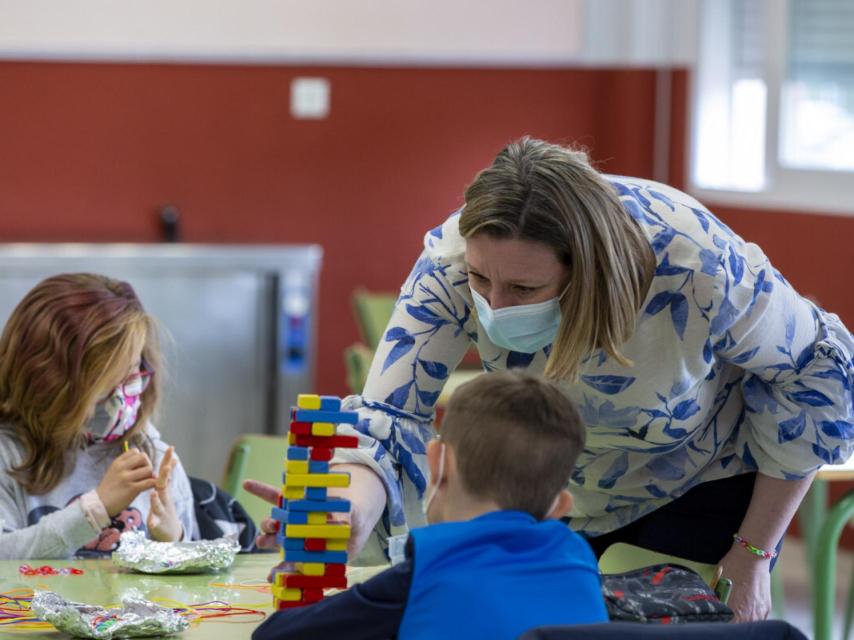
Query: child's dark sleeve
(372, 609)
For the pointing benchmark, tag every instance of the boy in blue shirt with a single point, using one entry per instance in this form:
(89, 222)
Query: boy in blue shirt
(495, 560)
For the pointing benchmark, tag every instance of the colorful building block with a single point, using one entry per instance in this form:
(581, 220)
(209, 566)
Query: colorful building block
(323, 429)
(314, 568)
(336, 417)
(287, 595)
(293, 493)
(336, 545)
(335, 557)
(330, 403)
(313, 517)
(296, 581)
(314, 544)
(316, 466)
(301, 428)
(318, 531)
(315, 493)
(321, 453)
(317, 479)
(290, 517)
(339, 442)
(298, 466)
(297, 453)
(309, 401)
(338, 505)
(335, 570)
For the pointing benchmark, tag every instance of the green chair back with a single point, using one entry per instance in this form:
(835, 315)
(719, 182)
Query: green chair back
(373, 311)
(357, 358)
(258, 457)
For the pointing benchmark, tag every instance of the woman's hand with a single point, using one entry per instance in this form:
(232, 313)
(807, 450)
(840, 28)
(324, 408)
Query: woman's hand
(366, 494)
(750, 598)
(129, 475)
(163, 522)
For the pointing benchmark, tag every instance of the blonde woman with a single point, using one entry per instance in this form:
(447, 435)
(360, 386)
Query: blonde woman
(78, 382)
(710, 389)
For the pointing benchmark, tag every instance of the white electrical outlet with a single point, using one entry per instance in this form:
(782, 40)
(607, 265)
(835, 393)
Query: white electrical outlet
(310, 98)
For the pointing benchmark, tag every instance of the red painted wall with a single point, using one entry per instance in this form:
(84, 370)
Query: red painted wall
(89, 151)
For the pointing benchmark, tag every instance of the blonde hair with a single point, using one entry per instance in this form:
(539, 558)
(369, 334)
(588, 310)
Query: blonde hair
(69, 337)
(550, 194)
(516, 437)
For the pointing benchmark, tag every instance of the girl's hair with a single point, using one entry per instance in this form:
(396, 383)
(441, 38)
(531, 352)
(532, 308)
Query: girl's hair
(550, 194)
(69, 338)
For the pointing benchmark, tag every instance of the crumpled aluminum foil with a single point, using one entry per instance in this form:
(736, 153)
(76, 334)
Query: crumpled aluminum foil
(138, 618)
(199, 556)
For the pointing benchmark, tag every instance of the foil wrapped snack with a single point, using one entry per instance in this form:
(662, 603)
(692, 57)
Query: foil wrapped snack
(138, 553)
(138, 618)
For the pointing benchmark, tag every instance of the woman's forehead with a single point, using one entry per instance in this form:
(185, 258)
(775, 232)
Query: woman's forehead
(512, 257)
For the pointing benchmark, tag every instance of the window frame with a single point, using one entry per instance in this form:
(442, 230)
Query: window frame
(806, 190)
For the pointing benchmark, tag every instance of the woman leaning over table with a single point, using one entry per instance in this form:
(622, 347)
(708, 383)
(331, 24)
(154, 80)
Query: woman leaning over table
(711, 390)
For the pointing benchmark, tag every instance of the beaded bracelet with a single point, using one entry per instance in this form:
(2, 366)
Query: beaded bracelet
(767, 555)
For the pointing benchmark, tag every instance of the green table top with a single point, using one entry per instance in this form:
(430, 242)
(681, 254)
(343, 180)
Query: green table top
(104, 584)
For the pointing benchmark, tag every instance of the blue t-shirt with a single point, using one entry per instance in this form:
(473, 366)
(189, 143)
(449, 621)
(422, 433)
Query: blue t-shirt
(498, 575)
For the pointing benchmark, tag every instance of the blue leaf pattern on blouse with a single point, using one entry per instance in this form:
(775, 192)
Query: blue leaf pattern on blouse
(732, 371)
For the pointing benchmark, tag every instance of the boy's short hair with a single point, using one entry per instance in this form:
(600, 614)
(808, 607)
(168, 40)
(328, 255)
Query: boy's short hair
(516, 437)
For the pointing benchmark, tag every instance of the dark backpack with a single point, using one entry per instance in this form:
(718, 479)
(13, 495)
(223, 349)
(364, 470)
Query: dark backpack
(218, 515)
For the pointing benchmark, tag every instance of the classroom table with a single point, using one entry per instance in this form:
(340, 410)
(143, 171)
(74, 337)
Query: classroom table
(104, 584)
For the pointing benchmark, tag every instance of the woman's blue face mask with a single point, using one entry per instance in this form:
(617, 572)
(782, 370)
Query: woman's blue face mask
(525, 328)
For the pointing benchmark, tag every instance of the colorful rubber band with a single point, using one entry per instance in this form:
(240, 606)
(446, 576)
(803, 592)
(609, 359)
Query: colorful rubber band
(767, 555)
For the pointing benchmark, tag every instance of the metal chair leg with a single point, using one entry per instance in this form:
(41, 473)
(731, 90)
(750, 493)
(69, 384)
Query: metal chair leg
(824, 571)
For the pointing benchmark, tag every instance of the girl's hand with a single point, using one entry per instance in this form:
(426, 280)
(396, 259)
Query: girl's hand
(750, 598)
(129, 475)
(163, 522)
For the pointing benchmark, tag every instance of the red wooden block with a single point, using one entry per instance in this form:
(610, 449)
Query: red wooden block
(335, 570)
(315, 582)
(281, 500)
(315, 544)
(312, 595)
(321, 453)
(277, 526)
(301, 428)
(344, 442)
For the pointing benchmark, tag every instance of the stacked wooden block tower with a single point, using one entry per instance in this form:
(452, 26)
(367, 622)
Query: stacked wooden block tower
(308, 536)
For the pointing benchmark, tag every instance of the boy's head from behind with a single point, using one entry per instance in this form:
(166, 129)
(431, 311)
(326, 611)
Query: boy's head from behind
(509, 441)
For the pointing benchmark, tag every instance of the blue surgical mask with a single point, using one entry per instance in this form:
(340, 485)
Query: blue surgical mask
(525, 328)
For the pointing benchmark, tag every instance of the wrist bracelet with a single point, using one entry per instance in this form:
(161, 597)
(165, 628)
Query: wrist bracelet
(767, 555)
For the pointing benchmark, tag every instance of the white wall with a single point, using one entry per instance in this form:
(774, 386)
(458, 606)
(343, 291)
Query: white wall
(452, 32)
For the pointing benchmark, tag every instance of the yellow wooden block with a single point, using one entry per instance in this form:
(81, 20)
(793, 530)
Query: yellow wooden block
(323, 429)
(336, 545)
(293, 493)
(296, 466)
(287, 595)
(317, 531)
(311, 568)
(308, 401)
(317, 480)
(292, 438)
(317, 517)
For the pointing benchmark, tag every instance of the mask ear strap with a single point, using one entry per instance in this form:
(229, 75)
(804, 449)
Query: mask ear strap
(554, 504)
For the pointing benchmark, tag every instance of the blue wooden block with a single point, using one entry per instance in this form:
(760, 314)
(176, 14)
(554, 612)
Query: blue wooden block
(288, 516)
(330, 403)
(318, 466)
(295, 544)
(330, 557)
(315, 493)
(297, 453)
(320, 505)
(335, 417)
